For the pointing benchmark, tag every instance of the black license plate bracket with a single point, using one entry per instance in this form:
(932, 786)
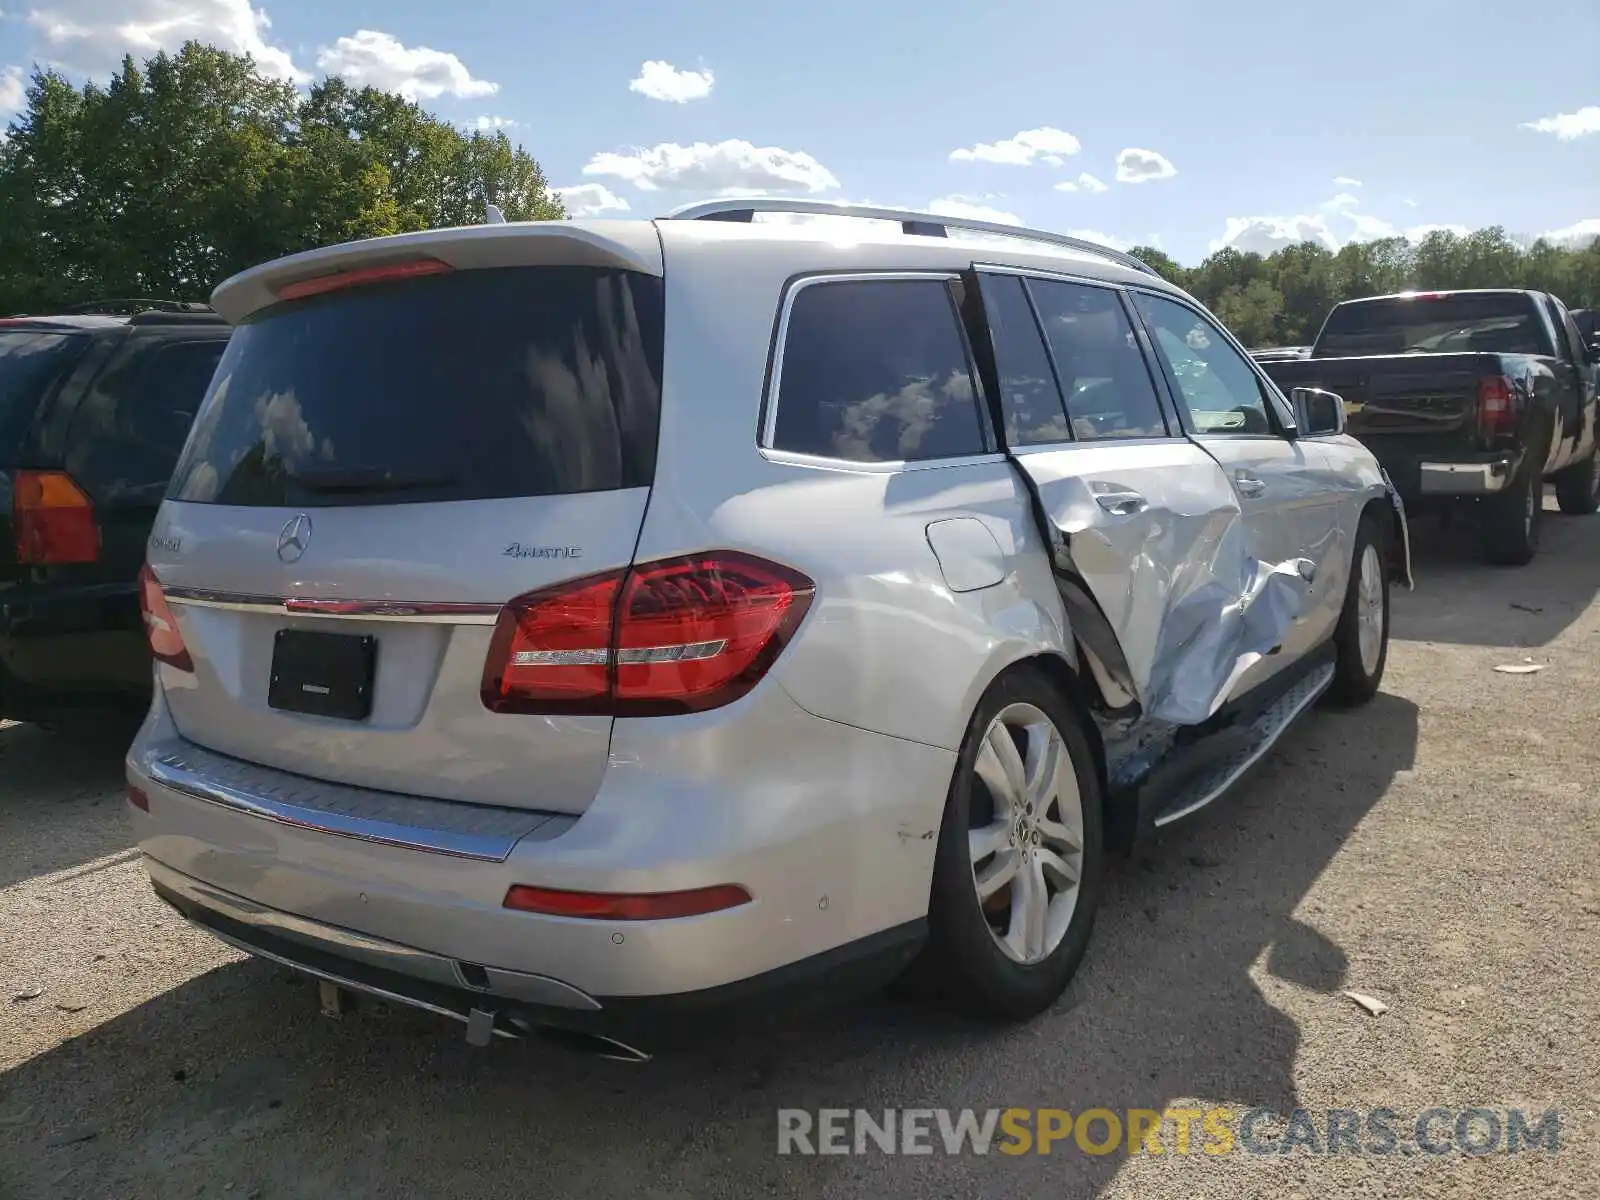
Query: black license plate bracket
(323, 674)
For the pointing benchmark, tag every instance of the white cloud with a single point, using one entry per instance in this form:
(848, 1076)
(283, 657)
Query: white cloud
(490, 124)
(371, 59)
(1409, 203)
(1045, 145)
(93, 35)
(1577, 235)
(1264, 235)
(663, 81)
(1336, 223)
(1083, 183)
(13, 91)
(1140, 166)
(704, 167)
(968, 208)
(1568, 126)
(590, 200)
(1346, 181)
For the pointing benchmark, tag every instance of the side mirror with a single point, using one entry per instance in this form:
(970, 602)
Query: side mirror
(1317, 413)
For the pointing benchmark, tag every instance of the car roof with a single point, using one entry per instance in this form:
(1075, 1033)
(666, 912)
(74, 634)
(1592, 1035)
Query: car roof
(817, 237)
(69, 323)
(91, 322)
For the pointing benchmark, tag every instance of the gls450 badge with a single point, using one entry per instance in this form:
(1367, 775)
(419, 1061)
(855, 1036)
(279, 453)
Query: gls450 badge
(518, 550)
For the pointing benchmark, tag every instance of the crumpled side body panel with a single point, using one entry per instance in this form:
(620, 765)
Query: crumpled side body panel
(1156, 534)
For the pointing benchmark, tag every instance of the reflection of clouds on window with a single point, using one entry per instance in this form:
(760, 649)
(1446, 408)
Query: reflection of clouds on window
(910, 413)
(284, 432)
(201, 483)
(1196, 339)
(590, 391)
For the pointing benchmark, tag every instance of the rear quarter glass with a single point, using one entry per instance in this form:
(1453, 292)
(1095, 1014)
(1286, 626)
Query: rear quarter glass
(473, 385)
(32, 364)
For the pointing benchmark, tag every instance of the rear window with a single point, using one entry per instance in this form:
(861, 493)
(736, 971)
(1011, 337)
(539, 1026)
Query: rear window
(30, 364)
(1499, 323)
(474, 385)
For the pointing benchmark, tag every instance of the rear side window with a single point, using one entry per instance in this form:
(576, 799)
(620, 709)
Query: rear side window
(127, 433)
(1102, 370)
(1029, 397)
(876, 370)
(474, 385)
(31, 364)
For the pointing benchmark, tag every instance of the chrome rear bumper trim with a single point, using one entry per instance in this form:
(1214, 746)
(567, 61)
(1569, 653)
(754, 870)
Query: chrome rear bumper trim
(448, 827)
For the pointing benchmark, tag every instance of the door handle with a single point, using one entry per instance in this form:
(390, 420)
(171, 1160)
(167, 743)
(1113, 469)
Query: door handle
(1121, 503)
(1248, 484)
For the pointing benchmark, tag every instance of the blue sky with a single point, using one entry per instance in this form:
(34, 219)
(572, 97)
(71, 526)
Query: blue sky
(1189, 125)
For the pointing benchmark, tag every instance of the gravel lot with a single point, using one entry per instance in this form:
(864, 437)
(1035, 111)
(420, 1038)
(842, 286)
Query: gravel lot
(1437, 850)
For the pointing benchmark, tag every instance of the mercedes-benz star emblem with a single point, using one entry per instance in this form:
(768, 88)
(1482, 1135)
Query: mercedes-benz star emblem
(293, 538)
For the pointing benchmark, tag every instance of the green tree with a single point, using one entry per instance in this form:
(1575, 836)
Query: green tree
(178, 173)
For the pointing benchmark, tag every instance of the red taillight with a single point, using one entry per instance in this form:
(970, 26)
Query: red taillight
(1496, 404)
(53, 520)
(138, 799)
(361, 277)
(161, 627)
(611, 906)
(679, 635)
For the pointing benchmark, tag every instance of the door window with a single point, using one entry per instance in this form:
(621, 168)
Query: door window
(1214, 382)
(1030, 401)
(1102, 371)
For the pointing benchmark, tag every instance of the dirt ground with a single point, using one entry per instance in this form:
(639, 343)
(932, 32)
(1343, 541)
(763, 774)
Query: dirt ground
(1439, 850)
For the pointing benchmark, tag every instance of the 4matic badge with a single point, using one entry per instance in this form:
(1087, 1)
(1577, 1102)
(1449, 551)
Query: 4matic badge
(518, 550)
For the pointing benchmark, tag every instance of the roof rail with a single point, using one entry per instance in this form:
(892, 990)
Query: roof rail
(911, 222)
(135, 304)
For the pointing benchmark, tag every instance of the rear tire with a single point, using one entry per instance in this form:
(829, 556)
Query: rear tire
(1361, 639)
(1023, 816)
(1511, 522)
(1578, 486)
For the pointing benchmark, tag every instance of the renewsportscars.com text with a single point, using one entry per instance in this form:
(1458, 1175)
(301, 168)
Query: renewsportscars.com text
(1213, 1131)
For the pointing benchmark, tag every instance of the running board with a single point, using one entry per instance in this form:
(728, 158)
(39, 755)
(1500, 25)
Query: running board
(1217, 776)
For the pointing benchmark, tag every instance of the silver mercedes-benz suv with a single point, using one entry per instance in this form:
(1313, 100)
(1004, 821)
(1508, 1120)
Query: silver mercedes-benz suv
(573, 625)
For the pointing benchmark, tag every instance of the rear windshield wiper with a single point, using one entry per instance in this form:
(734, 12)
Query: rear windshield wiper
(366, 481)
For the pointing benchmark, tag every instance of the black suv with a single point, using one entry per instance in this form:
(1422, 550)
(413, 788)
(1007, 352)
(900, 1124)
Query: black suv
(94, 409)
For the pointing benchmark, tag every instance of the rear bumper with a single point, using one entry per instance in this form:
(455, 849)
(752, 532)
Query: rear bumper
(65, 649)
(830, 828)
(514, 1003)
(1485, 478)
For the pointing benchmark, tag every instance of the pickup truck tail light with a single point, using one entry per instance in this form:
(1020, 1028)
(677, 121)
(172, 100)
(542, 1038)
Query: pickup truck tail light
(1496, 405)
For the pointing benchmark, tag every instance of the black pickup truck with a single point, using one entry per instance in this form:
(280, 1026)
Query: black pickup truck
(1467, 398)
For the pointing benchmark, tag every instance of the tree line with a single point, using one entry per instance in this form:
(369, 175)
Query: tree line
(1281, 299)
(174, 175)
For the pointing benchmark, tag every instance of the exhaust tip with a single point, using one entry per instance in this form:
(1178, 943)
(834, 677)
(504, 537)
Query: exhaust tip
(593, 1044)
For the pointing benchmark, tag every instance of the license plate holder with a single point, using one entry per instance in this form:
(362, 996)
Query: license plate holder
(323, 674)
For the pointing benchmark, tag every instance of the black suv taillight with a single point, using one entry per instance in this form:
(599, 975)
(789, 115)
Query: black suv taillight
(674, 636)
(52, 520)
